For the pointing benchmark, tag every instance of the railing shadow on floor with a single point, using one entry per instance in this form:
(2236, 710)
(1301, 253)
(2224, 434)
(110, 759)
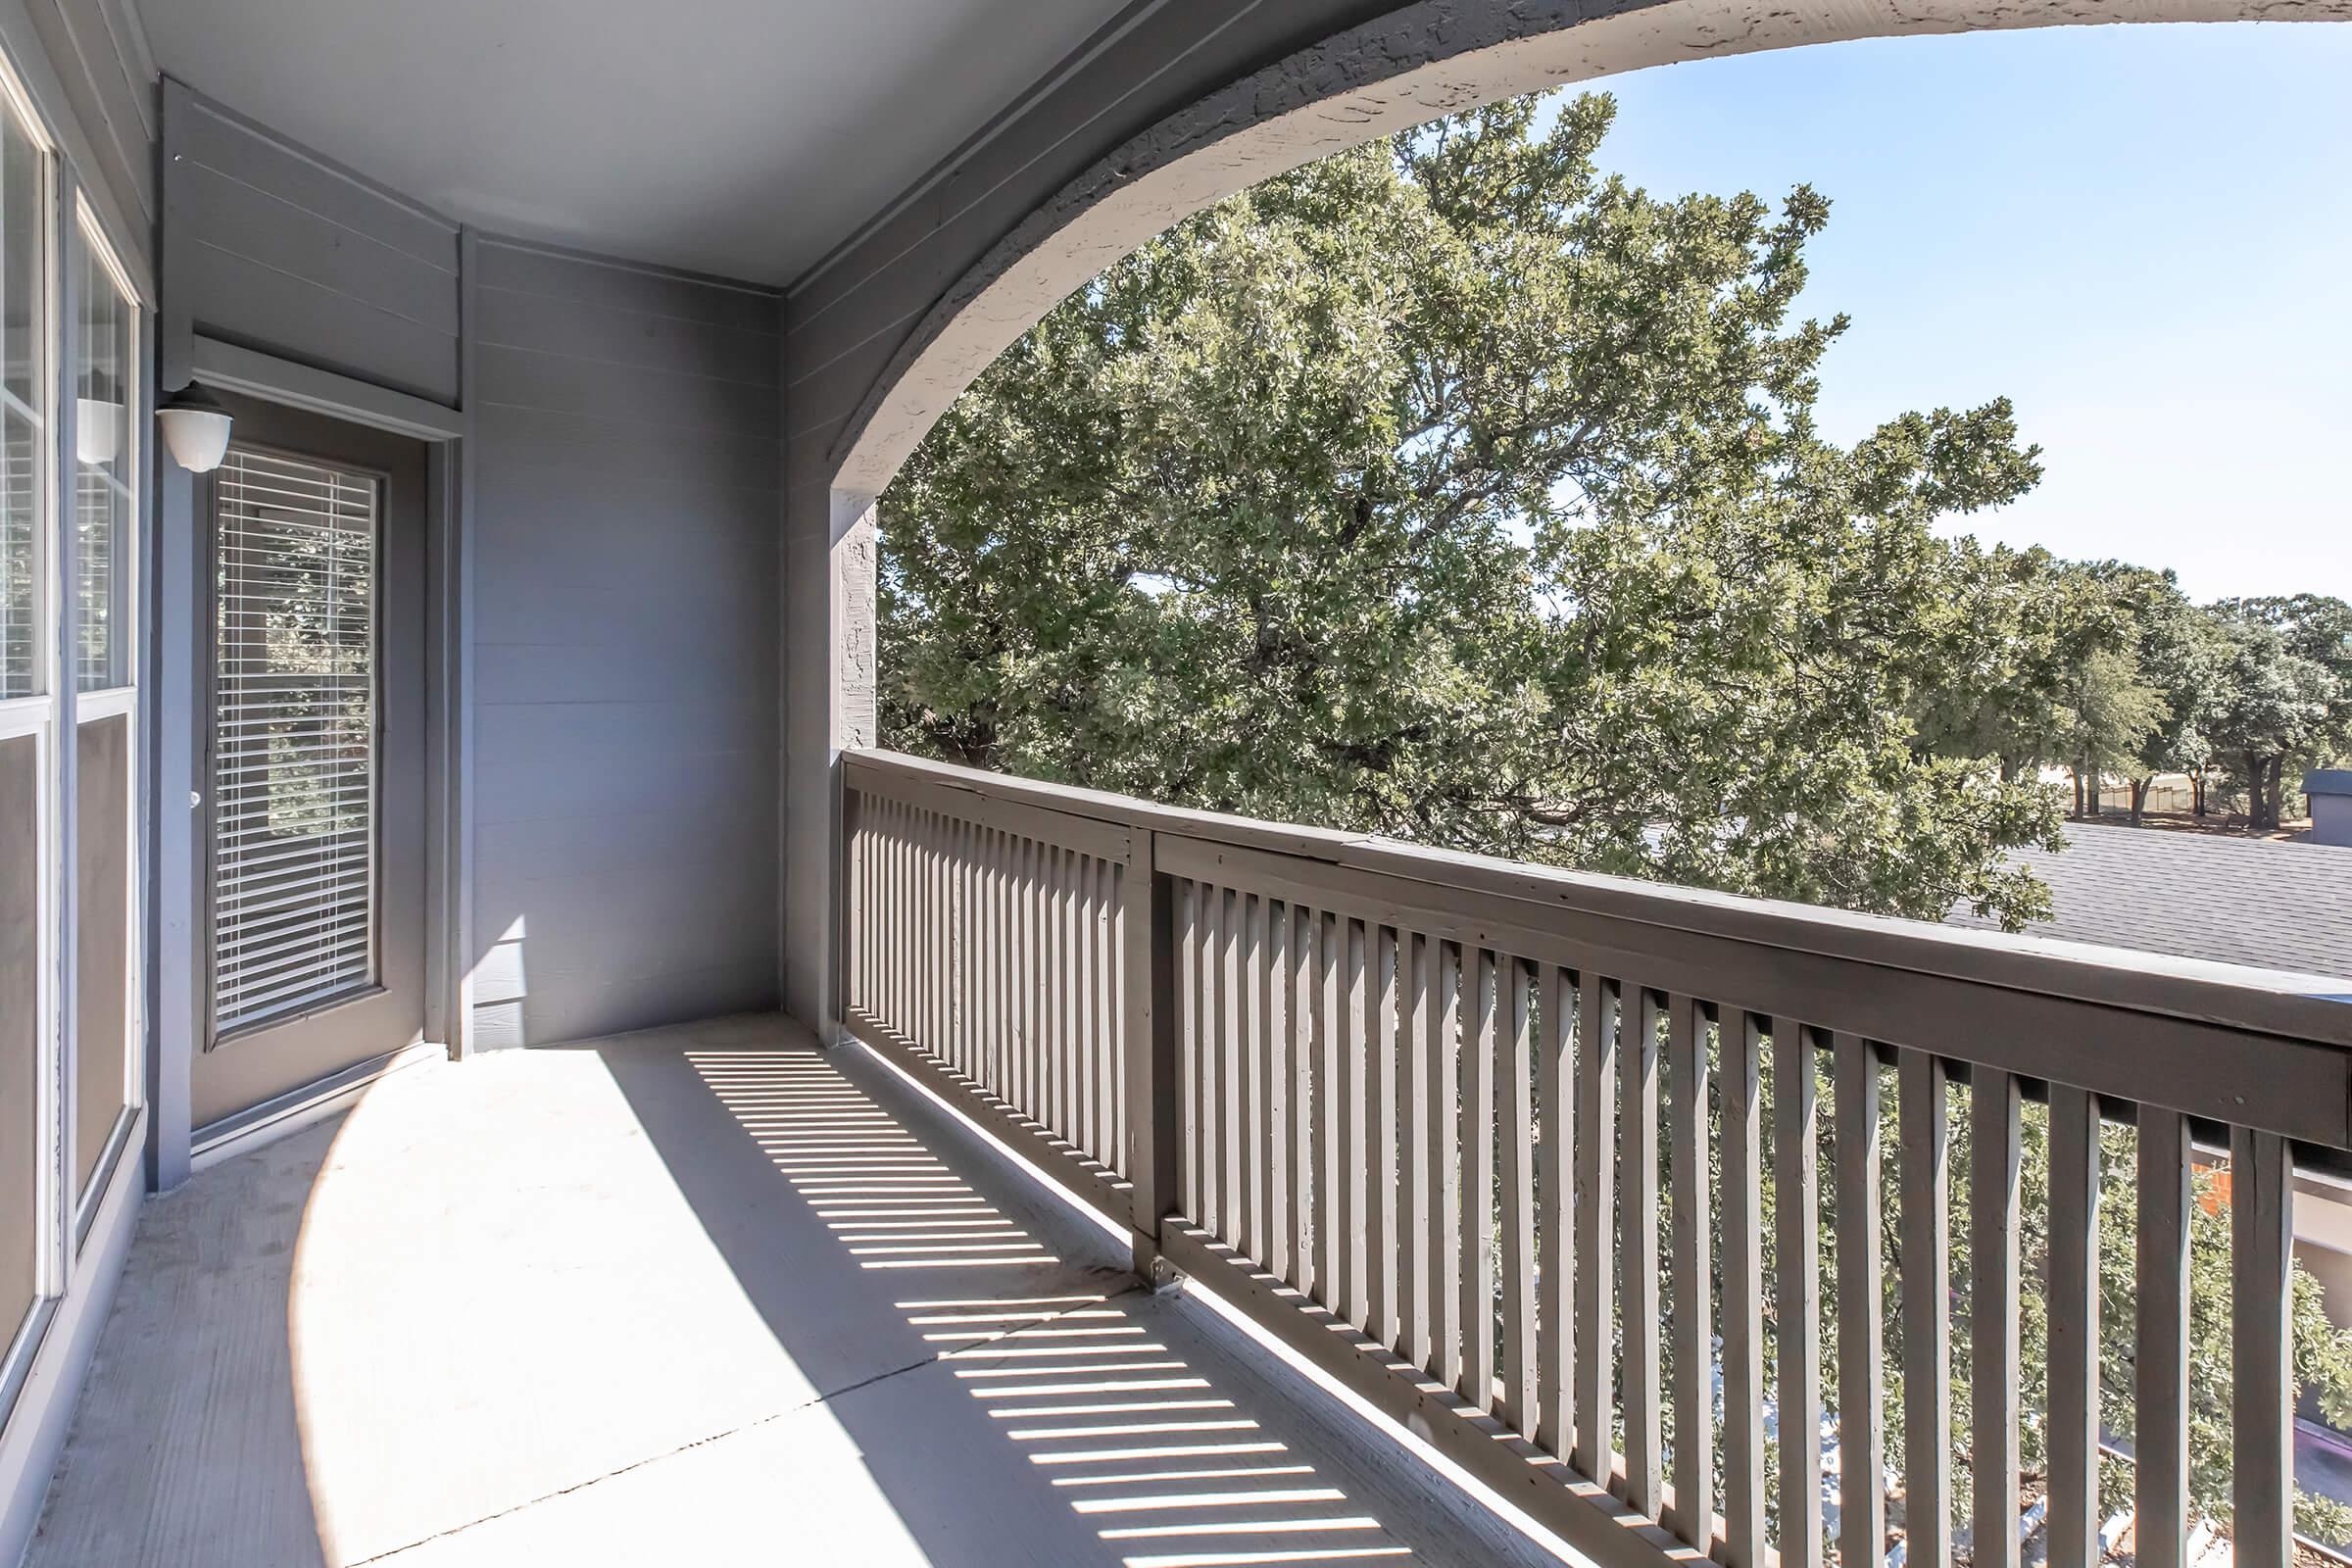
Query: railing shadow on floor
(1014, 1394)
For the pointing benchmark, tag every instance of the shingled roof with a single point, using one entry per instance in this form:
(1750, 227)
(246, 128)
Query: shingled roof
(2275, 905)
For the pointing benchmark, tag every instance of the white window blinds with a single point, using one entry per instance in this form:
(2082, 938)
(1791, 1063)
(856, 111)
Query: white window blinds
(295, 736)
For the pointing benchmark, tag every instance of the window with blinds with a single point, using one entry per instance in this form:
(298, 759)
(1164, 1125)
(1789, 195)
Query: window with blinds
(294, 771)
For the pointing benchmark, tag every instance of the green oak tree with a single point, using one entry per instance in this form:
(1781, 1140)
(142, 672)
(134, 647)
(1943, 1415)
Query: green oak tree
(2285, 701)
(1455, 489)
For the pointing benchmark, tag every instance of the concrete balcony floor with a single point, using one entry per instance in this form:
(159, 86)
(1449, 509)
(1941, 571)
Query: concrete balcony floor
(702, 1294)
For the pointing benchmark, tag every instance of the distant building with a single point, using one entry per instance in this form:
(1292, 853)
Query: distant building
(2330, 790)
(2272, 903)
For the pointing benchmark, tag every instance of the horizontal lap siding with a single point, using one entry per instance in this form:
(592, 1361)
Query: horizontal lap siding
(99, 65)
(275, 249)
(626, 496)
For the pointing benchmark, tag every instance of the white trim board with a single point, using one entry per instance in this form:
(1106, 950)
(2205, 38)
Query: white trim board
(46, 1405)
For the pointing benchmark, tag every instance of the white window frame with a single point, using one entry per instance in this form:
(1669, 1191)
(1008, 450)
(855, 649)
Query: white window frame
(119, 700)
(37, 717)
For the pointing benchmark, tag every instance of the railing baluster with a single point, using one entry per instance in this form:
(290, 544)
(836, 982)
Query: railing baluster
(1345, 1159)
(1213, 1053)
(909, 1019)
(1742, 1293)
(1247, 1167)
(1184, 932)
(896, 974)
(873, 909)
(1996, 1161)
(1193, 1044)
(1312, 1134)
(1379, 1085)
(2262, 1384)
(2161, 1351)
(1440, 1120)
(1232, 916)
(1595, 1207)
(1000, 946)
(944, 937)
(1034, 942)
(979, 943)
(1274, 1094)
(1414, 1278)
(2073, 1316)
(1084, 1037)
(1043, 949)
(1093, 1060)
(1693, 1279)
(1292, 1134)
(880, 817)
(958, 940)
(1927, 1274)
(1065, 997)
(1320, 992)
(1555, 1205)
(1796, 1213)
(1062, 950)
(936, 956)
(1517, 1135)
(1110, 1103)
(1475, 1380)
(1637, 1246)
(906, 957)
(1048, 947)
(1861, 1449)
(1028, 975)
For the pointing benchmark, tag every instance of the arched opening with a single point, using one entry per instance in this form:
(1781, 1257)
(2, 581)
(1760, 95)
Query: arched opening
(1998, 1113)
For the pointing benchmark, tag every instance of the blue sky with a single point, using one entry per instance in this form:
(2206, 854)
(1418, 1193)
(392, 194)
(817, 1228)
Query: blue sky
(2141, 234)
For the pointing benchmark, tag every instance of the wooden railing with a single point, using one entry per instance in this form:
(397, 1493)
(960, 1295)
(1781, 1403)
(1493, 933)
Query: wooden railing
(1494, 1143)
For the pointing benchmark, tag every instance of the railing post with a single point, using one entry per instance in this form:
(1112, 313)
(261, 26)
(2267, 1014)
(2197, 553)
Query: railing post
(848, 889)
(1147, 1036)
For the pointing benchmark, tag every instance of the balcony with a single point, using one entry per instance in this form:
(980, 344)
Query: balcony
(661, 1295)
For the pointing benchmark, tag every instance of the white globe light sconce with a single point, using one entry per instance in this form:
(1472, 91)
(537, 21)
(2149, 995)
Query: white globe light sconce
(195, 428)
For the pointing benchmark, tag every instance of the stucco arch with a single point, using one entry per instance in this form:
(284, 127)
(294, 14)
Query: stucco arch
(857, 405)
(1412, 66)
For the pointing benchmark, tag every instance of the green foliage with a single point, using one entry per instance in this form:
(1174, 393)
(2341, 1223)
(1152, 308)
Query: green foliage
(2285, 701)
(1455, 490)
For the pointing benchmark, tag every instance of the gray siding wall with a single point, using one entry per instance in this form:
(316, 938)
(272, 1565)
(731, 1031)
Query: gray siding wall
(271, 247)
(626, 483)
(104, 75)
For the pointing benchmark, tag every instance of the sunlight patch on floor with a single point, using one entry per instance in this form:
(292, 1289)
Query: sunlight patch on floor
(1120, 1428)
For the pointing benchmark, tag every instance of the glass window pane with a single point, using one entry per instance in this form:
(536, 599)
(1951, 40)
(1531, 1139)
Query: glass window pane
(102, 1038)
(102, 513)
(22, 463)
(19, 1027)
